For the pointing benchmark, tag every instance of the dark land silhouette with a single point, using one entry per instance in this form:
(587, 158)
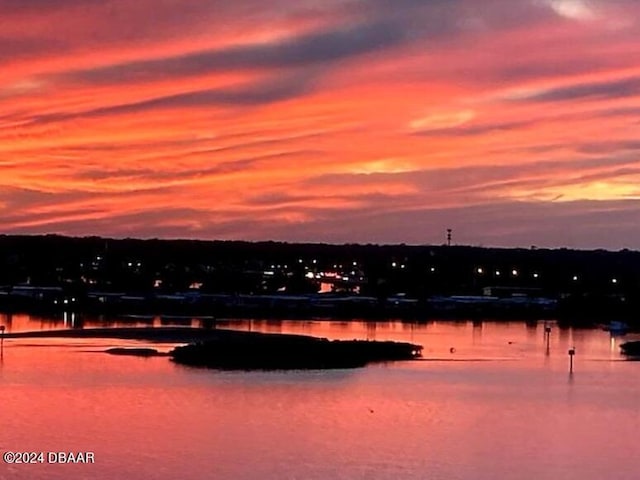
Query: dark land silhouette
(233, 350)
(231, 278)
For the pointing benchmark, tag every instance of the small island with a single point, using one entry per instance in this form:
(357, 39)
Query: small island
(135, 352)
(239, 350)
(631, 349)
(261, 351)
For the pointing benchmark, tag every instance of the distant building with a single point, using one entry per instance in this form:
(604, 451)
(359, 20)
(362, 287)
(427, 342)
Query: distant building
(499, 291)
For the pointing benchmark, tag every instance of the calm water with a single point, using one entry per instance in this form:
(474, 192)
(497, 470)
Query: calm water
(498, 407)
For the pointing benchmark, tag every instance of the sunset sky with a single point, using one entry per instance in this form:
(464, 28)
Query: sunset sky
(513, 122)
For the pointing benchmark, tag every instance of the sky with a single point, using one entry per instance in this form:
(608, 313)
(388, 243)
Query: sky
(512, 122)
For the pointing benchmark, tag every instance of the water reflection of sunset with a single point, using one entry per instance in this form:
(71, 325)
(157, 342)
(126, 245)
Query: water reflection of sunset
(502, 408)
(442, 340)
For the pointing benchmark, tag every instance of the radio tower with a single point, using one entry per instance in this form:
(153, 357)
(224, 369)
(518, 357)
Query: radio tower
(449, 237)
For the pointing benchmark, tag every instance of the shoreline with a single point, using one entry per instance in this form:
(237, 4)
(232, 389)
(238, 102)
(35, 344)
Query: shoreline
(152, 334)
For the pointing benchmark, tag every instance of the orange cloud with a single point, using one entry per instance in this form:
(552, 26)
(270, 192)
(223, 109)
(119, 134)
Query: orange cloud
(347, 121)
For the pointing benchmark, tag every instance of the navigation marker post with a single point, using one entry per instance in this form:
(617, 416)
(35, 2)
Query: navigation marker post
(572, 352)
(547, 334)
(2, 329)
